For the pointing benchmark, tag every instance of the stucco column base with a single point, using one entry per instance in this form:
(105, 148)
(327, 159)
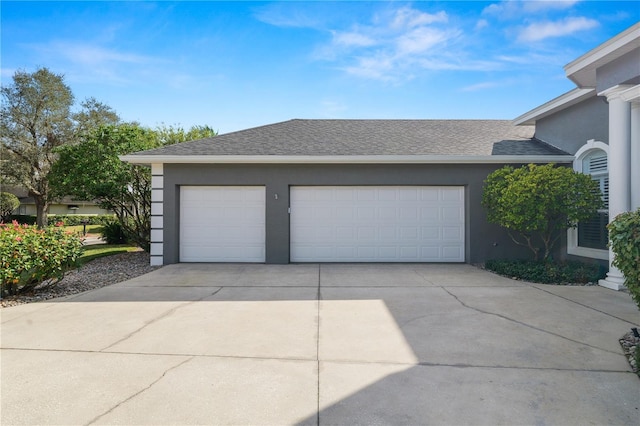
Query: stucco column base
(614, 279)
(611, 284)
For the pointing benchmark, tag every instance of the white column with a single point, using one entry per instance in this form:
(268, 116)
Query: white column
(619, 168)
(157, 214)
(633, 95)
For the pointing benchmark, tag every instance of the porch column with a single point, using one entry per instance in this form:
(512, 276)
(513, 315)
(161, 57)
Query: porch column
(633, 95)
(619, 168)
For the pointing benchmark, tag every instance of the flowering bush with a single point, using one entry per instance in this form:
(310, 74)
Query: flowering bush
(30, 256)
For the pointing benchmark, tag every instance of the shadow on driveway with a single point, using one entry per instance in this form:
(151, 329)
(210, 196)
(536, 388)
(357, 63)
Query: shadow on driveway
(321, 344)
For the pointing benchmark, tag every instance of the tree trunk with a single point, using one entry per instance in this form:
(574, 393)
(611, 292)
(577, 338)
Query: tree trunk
(42, 208)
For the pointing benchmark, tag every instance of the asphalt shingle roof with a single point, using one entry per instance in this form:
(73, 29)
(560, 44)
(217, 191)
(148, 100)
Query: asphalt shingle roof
(370, 137)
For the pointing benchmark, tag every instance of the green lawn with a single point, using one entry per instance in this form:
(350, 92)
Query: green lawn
(90, 253)
(91, 229)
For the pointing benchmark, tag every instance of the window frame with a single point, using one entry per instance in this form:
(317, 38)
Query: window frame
(572, 233)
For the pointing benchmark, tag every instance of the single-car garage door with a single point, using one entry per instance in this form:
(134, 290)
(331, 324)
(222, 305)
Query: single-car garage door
(222, 224)
(377, 224)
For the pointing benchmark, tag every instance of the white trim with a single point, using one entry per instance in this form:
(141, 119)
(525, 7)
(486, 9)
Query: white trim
(157, 182)
(157, 222)
(156, 261)
(616, 92)
(584, 150)
(156, 249)
(344, 159)
(572, 233)
(632, 94)
(553, 106)
(157, 169)
(582, 71)
(157, 236)
(157, 195)
(156, 209)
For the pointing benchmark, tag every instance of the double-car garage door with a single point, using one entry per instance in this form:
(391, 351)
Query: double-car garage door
(327, 224)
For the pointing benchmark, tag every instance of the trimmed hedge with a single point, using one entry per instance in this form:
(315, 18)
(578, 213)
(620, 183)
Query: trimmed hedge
(547, 272)
(67, 220)
(624, 238)
(30, 256)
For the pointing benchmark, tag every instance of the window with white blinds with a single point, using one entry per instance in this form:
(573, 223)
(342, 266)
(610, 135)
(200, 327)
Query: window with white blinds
(593, 233)
(595, 164)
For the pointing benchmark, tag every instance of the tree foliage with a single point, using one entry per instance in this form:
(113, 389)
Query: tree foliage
(169, 135)
(91, 170)
(535, 203)
(35, 119)
(624, 238)
(8, 203)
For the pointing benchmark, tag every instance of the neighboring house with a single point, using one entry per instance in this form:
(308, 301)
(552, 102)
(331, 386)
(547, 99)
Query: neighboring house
(336, 191)
(599, 124)
(66, 206)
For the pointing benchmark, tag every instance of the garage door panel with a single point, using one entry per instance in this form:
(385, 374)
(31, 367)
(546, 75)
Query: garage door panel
(368, 224)
(222, 224)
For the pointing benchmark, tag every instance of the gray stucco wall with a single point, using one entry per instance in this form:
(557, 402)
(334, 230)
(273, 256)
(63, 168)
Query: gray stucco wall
(624, 70)
(572, 127)
(483, 240)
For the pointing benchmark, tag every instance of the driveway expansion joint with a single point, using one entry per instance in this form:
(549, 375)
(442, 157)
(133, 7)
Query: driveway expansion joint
(524, 324)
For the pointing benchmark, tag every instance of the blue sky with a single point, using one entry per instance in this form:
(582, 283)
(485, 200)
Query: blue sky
(235, 65)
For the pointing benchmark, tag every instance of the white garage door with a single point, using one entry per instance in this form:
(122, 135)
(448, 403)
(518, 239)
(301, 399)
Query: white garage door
(377, 224)
(222, 224)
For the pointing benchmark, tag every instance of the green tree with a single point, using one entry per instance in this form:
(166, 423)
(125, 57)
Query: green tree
(91, 170)
(36, 119)
(169, 135)
(8, 203)
(535, 203)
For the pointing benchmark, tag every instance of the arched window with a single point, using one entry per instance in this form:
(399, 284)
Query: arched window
(591, 237)
(593, 233)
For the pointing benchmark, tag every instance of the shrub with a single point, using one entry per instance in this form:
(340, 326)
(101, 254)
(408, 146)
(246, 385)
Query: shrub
(77, 219)
(536, 203)
(547, 272)
(8, 203)
(113, 233)
(624, 239)
(30, 256)
(23, 219)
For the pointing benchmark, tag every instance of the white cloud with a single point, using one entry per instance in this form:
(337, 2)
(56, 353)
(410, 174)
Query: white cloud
(289, 14)
(394, 45)
(84, 61)
(88, 54)
(482, 23)
(352, 39)
(514, 8)
(410, 18)
(538, 5)
(480, 86)
(547, 29)
(421, 40)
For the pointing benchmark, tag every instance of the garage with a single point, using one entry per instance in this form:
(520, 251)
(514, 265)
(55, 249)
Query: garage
(377, 224)
(222, 224)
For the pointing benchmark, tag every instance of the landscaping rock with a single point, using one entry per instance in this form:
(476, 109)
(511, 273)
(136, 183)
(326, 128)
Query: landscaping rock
(98, 273)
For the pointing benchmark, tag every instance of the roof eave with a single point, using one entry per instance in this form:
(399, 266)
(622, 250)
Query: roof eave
(344, 159)
(582, 71)
(553, 106)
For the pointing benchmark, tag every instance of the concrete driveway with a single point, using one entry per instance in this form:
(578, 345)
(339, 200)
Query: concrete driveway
(321, 344)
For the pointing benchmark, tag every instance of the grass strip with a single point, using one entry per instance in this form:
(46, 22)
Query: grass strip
(90, 253)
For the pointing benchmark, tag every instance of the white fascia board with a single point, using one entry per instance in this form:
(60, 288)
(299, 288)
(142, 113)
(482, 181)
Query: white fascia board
(582, 71)
(344, 159)
(558, 104)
